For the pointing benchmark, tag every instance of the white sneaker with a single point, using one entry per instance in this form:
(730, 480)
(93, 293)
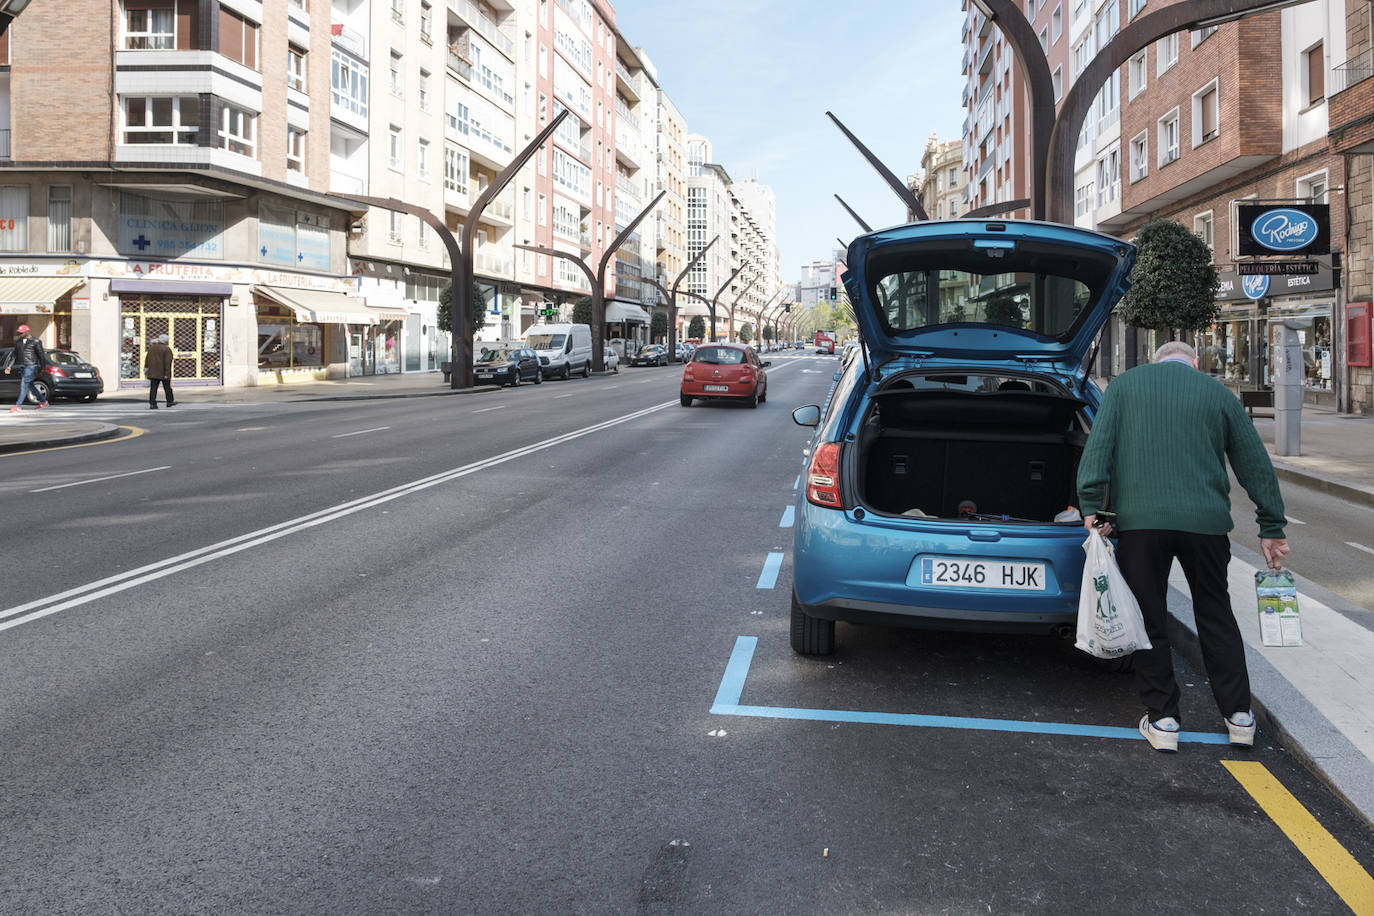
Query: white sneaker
(1240, 727)
(1162, 735)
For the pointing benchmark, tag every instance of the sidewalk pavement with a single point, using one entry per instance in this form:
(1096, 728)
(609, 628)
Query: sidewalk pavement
(1318, 697)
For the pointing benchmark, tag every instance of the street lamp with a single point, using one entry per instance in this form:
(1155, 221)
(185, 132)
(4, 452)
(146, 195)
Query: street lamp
(671, 296)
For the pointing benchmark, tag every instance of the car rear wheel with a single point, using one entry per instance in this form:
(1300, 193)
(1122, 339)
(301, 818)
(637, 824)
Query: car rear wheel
(684, 400)
(539, 376)
(811, 635)
(586, 370)
(763, 394)
(39, 391)
(753, 400)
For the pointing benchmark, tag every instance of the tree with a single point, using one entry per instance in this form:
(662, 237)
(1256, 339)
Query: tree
(479, 309)
(658, 326)
(768, 333)
(1174, 282)
(696, 327)
(746, 332)
(1006, 310)
(582, 310)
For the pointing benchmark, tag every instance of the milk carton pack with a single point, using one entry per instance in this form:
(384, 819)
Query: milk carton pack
(1278, 608)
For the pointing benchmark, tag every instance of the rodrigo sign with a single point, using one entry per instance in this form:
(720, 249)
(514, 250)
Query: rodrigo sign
(1267, 230)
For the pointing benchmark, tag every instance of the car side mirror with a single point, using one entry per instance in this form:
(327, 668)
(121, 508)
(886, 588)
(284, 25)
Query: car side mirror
(767, 362)
(810, 415)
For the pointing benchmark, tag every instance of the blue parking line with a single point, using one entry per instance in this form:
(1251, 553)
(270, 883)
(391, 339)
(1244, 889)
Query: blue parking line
(732, 688)
(769, 577)
(787, 515)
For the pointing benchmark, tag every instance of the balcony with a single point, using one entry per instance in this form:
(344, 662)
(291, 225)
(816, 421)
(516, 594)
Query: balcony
(492, 265)
(1349, 104)
(498, 211)
(339, 182)
(5, 143)
(625, 82)
(624, 184)
(353, 42)
(476, 17)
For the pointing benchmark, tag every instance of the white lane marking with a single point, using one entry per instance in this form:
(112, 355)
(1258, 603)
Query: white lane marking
(361, 432)
(787, 516)
(78, 483)
(568, 395)
(644, 381)
(608, 387)
(485, 409)
(1296, 521)
(1360, 547)
(92, 591)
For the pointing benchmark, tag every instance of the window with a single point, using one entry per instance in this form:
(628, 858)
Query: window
(348, 81)
(1082, 199)
(1135, 7)
(1202, 35)
(1140, 155)
(424, 232)
(426, 23)
(14, 218)
(1106, 23)
(1205, 114)
(1057, 81)
(1166, 53)
(398, 80)
(396, 151)
(1168, 138)
(954, 178)
(1045, 39)
(1109, 177)
(238, 38)
(1136, 70)
(1202, 226)
(295, 68)
(1312, 188)
(1314, 74)
(236, 130)
(1057, 23)
(455, 170)
(162, 119)
(393, 227)
(60, 217)
(1082, 54)
(1109, 102)
(424, 90)
(543, 210)
(149, 29)
(398, 11)
(1030, 10)
(295, 150)
(422, 163)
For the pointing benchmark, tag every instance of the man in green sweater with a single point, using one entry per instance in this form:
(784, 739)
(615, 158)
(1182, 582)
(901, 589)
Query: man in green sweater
(1160, 442)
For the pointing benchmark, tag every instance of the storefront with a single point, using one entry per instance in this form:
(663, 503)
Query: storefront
(44, 303)
(629, 322)
(189, 314)
(308, 331)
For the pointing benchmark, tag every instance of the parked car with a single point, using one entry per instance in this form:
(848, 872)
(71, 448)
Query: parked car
(726, 371)
(66, 374)
(507, 366)
(612, 359)
(946, 451)
(562, 348)
(652, 355)
(682, 352)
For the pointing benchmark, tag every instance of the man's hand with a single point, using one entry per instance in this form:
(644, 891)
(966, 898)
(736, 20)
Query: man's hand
(1274, 550)
(7, 371)
(1090, 523)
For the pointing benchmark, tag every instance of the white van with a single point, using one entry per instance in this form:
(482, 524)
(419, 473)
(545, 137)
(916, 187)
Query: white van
(563, 348)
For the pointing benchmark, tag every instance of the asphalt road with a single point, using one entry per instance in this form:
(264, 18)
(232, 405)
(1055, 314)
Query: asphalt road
(458, 655)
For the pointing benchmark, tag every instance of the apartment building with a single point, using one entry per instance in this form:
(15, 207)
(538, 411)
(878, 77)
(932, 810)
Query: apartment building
(671, 177)
(193, 200)
(940, 187)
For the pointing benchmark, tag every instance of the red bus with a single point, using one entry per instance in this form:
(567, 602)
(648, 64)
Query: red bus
(825, 342)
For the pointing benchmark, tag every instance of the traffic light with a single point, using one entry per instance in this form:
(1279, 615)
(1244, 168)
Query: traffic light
(833, 295)
(787, 307)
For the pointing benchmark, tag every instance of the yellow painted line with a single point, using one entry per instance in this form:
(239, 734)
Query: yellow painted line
(1338, 867)
(133, 433)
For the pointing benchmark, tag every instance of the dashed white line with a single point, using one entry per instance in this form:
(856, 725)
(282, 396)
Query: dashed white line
(568, 395)
(78, 483)
(485, 409)
(361, 432)
(1360, 547)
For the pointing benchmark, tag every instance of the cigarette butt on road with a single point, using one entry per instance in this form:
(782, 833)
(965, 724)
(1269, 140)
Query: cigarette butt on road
(825, 853)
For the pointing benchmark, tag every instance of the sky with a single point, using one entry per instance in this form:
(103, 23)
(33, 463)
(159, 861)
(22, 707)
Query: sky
(757, 76)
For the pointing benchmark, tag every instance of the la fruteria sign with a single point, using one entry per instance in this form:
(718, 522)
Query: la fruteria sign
(1267, 230)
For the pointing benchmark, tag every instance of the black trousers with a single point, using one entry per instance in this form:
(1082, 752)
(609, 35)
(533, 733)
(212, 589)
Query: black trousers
(166, 388)
(1145, 558)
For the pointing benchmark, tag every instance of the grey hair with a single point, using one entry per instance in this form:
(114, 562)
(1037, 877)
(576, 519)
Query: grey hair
(1175, 348)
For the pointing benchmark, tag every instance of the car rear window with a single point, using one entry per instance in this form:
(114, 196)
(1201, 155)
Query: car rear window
(1047, 292)
(723, 356)
(66, 358)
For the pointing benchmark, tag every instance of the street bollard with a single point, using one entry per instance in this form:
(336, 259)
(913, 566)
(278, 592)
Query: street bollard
(1289, 376)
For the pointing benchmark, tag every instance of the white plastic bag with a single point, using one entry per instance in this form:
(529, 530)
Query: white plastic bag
(1109, 621)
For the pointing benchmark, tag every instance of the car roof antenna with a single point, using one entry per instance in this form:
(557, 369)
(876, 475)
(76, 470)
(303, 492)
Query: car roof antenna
(908, 197)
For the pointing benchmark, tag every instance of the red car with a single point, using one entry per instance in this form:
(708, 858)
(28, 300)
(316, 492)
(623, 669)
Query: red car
(727, 371)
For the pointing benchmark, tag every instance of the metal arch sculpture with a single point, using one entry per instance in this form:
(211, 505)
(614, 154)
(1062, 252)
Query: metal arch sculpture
(714, 301)
(671, 295)
(913, 203)
(735, 304)
(597, 280)
(857, 218)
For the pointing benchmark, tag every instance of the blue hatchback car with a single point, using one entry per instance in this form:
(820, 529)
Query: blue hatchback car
(950, 445)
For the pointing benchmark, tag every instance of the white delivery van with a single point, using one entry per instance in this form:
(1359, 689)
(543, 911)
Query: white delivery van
(562, 348)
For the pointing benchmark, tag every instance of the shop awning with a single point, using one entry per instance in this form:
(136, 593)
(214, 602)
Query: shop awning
(172, 287)
(327, 308)
(624, 311)
(691, 308)
(34, 295)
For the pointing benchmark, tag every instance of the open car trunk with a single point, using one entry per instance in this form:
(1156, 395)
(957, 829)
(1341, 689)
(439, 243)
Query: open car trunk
(1008, 455)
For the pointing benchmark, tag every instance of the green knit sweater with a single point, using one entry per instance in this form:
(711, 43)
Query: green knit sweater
(1160, 440)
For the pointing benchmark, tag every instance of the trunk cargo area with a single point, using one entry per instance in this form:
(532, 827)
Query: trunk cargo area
(1011, 453)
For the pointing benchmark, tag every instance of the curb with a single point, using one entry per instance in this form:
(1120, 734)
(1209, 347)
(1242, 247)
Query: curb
(1325, 484)
(105, 431)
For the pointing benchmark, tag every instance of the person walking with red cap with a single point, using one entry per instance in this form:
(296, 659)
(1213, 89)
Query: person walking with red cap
(29, 355)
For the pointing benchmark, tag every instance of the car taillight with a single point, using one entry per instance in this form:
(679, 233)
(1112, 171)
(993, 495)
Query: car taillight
(687, 375)
(746, 375)
(823, 476)
(55, 372)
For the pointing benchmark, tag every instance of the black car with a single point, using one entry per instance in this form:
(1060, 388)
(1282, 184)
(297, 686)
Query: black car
(507, 366)
(66, 374)
(652, 355)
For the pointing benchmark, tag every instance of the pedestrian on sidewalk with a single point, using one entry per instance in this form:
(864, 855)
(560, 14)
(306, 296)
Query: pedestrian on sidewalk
(157, 366)
(1159, 444)
(29, 355)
